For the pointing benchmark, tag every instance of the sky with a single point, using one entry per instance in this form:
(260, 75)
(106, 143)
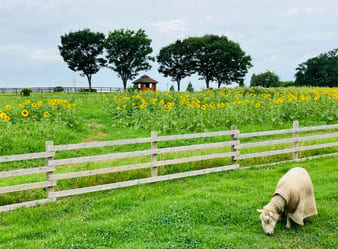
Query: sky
(278, 35)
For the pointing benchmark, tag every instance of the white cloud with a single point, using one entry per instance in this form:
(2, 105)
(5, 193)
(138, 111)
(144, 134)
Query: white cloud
(170, 27)
(42, 4)
(27, 52)
(302, 11)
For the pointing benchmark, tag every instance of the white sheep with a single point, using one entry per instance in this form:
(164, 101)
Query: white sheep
(294, 198)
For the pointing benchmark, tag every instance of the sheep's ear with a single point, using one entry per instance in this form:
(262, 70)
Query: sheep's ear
(260, 210)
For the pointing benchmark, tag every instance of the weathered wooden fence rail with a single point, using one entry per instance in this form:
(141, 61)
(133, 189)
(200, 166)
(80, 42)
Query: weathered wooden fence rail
(234, 145)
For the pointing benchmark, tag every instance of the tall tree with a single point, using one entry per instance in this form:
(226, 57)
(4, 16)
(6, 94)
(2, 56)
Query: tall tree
(319, 71)
(267, 79)
(128, 53)
(176, 61)
(218, 59)
(81, 51)
(232, 63)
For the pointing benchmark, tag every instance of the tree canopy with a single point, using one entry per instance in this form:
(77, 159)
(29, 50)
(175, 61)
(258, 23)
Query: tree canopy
(267, 79)
(176, 61)
(319, 71)
(128, 53)
(218, 59)
(81, 51)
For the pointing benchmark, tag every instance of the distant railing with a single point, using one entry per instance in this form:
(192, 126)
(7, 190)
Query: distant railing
(17, 90)
(234, 146)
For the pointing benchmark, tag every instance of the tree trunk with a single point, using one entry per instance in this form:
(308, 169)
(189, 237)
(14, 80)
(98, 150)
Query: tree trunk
(125, 85)
(219, 84)
(207, 83)
(178, 85)
(89, 77)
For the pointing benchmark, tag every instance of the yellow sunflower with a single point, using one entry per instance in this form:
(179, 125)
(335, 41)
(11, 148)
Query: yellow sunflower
(24, 113)
(46, 114)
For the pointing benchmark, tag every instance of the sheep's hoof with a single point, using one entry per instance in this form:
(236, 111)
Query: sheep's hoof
(288, 226)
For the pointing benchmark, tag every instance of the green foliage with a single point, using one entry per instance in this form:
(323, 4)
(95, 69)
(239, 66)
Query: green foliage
(174, 112)
(128, 53)
(59, 89)
(36, 119)
(172, 88)
(267, 79)
(176, 61)
(133, 88)
(26, 92)
(218, 59)
(86, 90)
(190, 87)
(286, 83)
(319, 71)
(81, 51)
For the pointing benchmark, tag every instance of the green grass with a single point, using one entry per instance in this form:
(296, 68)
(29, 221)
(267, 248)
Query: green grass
(211, 211)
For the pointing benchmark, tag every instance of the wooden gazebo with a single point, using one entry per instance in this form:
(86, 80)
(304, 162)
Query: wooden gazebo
(145, 83)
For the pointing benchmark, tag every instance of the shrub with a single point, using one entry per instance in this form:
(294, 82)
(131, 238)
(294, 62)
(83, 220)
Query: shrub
(87, 90)
(286, 83)
(26, 92)
(59, 89)
(133, 88)
(190, 88)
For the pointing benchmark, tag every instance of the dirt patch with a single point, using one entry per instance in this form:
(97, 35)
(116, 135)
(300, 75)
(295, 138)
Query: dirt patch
(87, 140)
(102, 134)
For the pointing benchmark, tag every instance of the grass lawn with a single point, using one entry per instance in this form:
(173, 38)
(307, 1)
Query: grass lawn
(211, 211)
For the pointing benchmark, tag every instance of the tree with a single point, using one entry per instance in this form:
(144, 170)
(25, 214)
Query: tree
(176, 61)
(218, 59)
(319, 71)
(190, 88)
(128, 53)
(81, 51)
(267, 79)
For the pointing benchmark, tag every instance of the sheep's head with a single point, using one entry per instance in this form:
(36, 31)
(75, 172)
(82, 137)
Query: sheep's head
(269, 219)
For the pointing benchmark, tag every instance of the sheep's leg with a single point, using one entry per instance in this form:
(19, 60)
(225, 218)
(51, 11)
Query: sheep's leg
(288, 222)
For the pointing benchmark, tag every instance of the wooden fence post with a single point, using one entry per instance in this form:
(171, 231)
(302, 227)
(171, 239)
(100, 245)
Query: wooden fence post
(295, 135)
(154, 156)
(233, 148)
(49, 148)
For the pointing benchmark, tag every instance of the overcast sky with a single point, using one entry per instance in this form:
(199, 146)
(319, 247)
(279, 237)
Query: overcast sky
(278, 35)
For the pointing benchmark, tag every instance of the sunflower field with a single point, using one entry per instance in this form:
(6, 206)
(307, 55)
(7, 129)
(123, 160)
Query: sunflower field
(173, 112)
(26, 122)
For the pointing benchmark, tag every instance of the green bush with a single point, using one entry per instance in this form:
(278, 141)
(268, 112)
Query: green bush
(87, 90)
(59, 89)
(26, 92)
(190, 88)
(286, 83)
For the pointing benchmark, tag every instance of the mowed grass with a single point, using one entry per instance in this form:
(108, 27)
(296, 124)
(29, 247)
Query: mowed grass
(211, 211)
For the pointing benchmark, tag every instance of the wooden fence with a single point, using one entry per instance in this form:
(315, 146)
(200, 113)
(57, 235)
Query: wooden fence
(17, 90)
(234, 153)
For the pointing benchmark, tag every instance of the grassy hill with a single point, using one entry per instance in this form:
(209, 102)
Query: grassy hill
(211, 211)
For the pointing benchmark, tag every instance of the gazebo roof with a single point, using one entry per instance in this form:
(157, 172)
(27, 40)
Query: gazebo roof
(145, 79)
